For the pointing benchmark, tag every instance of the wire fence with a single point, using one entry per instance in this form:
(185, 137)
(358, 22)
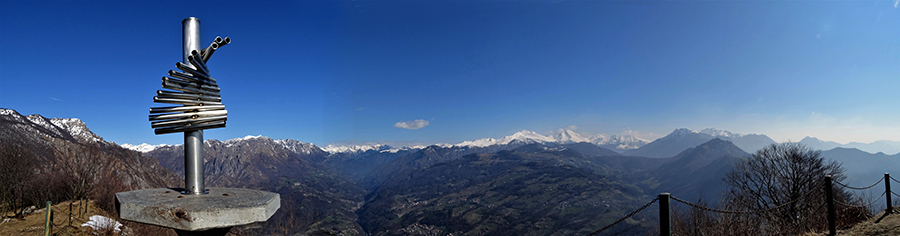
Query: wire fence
(846, 204)
(623, 218)
(895, 180)
(831, 212)
(863, 188)
(734, 212)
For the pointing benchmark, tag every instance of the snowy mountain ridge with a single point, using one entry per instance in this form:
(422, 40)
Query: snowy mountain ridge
(59, 127)
(290, 144)
(143, 147)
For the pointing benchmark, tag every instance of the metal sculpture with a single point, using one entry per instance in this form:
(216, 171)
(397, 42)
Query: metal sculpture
(196, 210)
(195, 90)
(198, 93)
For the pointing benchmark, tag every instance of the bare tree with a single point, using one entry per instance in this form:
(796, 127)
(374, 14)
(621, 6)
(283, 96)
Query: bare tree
(16, 169)
(81, 165)
(783, 184)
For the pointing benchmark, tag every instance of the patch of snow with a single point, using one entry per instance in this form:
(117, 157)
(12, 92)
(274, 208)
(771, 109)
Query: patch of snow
(296, 146)
(11, 114)
(101, 223)
(7, 112)
(41, 121)
(248, 137)
(230, 142)
(144, 147)
(76, 128)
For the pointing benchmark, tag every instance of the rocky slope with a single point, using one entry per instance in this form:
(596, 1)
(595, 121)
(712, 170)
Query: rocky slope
(57, 142)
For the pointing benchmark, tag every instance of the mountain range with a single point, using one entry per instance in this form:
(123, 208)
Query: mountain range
(883, 146)
(522, 184)
(667, 146)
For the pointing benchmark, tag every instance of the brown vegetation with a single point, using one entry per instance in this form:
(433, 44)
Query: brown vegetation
(780, 191)
(33, 172)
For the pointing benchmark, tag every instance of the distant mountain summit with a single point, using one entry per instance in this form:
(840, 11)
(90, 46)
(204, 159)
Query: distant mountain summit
(569, 136)
(521, 137)
(884, 146)
(675, 142)
(815, 143)
(681, 139)
(622, 142)
(698, 171)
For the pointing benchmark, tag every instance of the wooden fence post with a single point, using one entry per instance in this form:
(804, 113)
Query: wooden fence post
(887, 193)
(665, 220)
(48, 223)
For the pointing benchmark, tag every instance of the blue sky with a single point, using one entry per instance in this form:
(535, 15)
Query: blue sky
(339, 72)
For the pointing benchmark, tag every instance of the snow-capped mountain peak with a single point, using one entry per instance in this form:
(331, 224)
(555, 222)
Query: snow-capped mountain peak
(248, 137)
(360, 148)
(56, 127)
(720, 133)
(478, 143)
(569, 136)
(626, 142)
(76, 128)
(334, 148)
(144, 147)
(682, 132)
(526, 136)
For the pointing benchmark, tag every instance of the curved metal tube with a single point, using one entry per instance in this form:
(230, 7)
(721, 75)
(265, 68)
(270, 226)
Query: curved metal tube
(186, 109)
(174, 86)
(225, 41)
(207, 52)
(191, 78)
(167, 94)
(219, 124)
(189, 115)
(191, 70)
(170, 123)
(191, 84)
(197, 63)
(184, 101)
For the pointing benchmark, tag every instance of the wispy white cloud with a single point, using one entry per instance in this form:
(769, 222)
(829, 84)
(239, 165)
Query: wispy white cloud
(55, 99)
(413, 124)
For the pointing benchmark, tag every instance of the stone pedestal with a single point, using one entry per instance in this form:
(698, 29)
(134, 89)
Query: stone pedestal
(221, 208)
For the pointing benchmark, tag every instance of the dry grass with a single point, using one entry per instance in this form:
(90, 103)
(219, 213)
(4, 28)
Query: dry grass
(881, 224)
(34, 224)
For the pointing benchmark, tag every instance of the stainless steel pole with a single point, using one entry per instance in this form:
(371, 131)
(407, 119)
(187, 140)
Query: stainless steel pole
(193, 140)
